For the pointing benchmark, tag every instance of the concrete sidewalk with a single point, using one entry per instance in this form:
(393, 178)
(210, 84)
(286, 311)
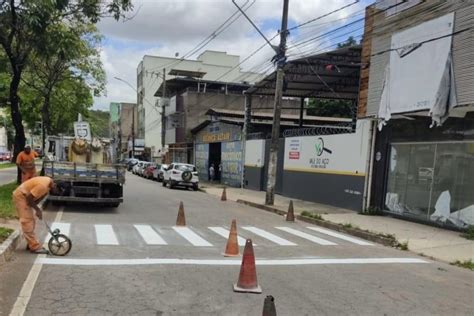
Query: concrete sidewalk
(440, 244)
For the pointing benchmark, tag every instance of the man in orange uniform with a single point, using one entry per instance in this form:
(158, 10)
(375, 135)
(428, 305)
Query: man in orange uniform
(26, 162)
(26, 198)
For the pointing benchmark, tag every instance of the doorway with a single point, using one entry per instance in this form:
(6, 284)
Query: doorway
(215, 152)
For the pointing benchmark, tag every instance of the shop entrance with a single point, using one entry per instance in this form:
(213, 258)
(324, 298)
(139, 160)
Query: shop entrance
(215, 157)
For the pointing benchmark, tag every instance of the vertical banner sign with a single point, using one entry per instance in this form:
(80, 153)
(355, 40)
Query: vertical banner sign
(82, 130)
(231, 163)
(202, 160)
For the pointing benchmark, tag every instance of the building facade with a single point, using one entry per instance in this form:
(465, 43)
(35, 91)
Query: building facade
(151, 71)
(123, 129)
(417, 86)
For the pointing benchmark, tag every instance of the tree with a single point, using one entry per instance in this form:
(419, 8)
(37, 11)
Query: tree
(351, 41)
(23, 26)
(330, 108)
(70, 51)
(99, 121)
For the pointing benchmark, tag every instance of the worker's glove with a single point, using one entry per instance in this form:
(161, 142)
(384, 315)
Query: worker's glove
(39, 214)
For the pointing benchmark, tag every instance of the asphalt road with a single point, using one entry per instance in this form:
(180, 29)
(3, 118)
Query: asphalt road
(7, 175)
(113, 269)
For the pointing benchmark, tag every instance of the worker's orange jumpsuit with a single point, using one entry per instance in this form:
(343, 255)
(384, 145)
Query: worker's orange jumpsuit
(27, 162)
(38, 187)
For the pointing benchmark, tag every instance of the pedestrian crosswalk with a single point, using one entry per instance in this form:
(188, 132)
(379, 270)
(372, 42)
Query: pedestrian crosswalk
(157, 235)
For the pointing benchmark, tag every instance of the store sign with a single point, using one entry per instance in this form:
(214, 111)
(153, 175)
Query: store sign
(219, 132)
(201, 160)
(294, 149)
(231, 159)
(82, 130)
(341, 153)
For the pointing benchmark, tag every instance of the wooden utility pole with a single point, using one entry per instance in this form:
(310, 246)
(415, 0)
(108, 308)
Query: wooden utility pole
(163, 117)
(280, 59)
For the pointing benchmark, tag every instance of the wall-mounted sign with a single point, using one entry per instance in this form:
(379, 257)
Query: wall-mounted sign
(219, 132)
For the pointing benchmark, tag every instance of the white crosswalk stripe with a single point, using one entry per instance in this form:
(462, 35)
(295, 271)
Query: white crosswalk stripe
(149, 235)
(341, 236)
(267, 235)
(225, 233)
(307, 236)
(105, 235)
(191, 236)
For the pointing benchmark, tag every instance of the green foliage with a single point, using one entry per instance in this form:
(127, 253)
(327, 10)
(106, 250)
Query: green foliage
(403, 246)
(312, 215)
(4, 233)
(469, 233)
(330, 108)
(7, 165)
(99, 121)
(351, 41)
(7, 210)
(468, 264)
(372, 211)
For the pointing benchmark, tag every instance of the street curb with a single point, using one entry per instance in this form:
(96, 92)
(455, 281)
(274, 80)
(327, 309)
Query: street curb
(386, 241)
(262, 207)
(8, 247)
(351, 231)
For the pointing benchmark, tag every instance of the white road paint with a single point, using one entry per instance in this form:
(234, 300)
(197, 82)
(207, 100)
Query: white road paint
(224, 262)
(25, 293)
(274, 238)
(309, 237)
(192, 237)
(149, 235)
(225, 233)
(105, 235)
(64, 228)
(341, 236)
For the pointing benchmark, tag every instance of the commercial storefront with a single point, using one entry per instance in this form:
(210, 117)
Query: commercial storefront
(427, 174)
(219, 145)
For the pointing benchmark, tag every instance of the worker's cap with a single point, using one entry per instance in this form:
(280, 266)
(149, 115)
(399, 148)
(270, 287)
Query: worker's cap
(27, 147)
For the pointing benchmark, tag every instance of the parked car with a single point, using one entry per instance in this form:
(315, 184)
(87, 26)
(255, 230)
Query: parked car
(148, 171)
(5, 156)
(130, 163)
(142, 168)
(156, 172)
(160, 172)
(181, 174)
(137, 166)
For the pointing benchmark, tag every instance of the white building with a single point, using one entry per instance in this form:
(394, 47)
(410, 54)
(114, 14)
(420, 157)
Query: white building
(210, 65)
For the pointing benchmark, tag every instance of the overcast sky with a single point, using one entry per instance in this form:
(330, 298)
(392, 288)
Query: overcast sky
(166, 27)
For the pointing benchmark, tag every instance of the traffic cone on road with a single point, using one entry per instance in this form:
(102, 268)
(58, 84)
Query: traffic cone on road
(290, 215)
(181, 220)
(224, 195)
(232, 247)
(247, 282)
(269, 306)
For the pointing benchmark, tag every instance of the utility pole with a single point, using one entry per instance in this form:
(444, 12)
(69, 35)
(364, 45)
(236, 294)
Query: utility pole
(133, 129)
(163, 117)
(280, 59)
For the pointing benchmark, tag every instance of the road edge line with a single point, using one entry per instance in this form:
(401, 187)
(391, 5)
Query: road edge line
(24, 297)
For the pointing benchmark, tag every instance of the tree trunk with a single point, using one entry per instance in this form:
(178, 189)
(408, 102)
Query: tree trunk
(45, 124)
(16, 118)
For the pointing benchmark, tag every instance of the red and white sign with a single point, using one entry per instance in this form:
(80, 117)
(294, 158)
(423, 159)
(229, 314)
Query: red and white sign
(294, 155)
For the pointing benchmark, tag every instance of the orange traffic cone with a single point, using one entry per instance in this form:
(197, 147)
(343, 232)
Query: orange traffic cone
(269, 306)
(290, 215)
(247, 282)
(181, 220)
(232, 247)
(224, 195)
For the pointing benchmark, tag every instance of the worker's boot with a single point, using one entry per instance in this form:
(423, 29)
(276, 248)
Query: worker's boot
(40, 251)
